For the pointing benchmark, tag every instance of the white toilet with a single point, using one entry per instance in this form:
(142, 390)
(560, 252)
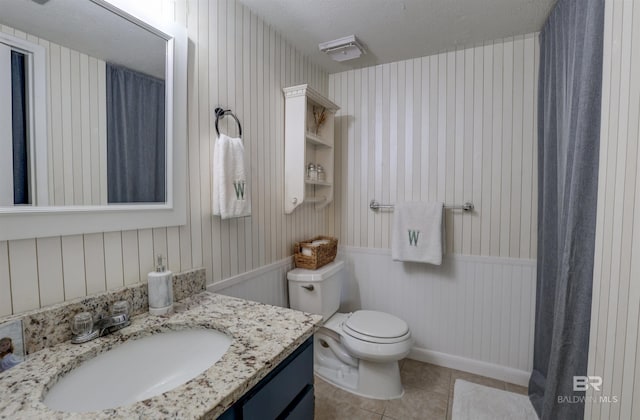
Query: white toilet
(358, 351)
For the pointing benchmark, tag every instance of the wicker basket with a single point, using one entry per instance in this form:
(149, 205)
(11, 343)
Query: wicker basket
(320, 255)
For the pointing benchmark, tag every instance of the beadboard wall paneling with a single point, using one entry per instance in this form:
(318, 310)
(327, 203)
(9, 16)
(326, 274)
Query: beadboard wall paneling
(267, 284)
(480, 309)
(472, 313)
(76, 124)
(614, 353)
(237, 61)
(453, 127)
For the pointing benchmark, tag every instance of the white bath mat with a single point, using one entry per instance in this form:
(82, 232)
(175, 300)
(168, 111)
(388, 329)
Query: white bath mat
(478, 402)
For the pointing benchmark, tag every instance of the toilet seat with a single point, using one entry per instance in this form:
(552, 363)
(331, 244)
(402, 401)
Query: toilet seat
(370, 346)
(375, 340)
(375, 351)
(376, 327)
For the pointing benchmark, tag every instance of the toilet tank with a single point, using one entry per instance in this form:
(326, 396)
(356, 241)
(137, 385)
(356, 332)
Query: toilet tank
(317, 291)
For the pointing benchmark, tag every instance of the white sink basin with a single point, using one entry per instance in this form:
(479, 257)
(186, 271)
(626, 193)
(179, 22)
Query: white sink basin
(137, 370)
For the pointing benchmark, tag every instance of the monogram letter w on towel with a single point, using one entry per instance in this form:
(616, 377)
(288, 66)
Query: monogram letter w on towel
(230, 186)
(417, 232)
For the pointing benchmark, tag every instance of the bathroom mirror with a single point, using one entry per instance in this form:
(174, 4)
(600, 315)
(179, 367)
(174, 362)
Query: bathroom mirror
(95, 96)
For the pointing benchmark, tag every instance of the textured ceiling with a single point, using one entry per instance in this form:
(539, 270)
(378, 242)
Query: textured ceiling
(394, 30)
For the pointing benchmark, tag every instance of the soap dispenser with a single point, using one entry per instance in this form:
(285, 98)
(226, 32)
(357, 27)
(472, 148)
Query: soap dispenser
(160, 289)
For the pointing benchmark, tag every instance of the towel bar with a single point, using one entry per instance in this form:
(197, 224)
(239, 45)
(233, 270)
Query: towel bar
(468, 206)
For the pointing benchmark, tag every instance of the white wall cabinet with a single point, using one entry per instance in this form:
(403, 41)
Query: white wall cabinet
(304, 145)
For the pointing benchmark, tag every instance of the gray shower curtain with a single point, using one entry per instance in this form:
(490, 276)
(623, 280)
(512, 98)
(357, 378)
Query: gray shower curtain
(569, 96)
(135, 136)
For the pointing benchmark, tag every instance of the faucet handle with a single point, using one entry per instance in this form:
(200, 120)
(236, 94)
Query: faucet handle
(120, 307)
(82, 324)
(83, 328)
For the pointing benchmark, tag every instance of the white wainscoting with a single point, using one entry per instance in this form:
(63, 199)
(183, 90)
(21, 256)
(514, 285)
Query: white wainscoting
(267, 284)
(472, 313)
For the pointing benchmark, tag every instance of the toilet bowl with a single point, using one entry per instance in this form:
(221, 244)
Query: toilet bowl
(358, 351)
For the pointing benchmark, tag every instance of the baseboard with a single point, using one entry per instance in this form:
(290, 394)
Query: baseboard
(502, 373)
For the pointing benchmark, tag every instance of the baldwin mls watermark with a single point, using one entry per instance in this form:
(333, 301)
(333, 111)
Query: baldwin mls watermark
(583, 383)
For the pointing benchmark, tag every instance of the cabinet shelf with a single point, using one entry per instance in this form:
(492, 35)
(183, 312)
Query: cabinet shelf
(316, 140)
(319, 200)
(321, 183)
(315, 199)
(303, 147)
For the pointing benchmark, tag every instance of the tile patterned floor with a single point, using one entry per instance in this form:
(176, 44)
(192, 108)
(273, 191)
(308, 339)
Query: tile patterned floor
(428, 396)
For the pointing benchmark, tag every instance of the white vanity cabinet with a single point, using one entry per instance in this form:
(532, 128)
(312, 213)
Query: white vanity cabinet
(305, 145)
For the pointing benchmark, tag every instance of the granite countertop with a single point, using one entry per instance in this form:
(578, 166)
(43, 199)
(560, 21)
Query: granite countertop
(263, 336)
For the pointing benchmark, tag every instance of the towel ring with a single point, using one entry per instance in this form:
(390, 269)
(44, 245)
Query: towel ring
(220, 113)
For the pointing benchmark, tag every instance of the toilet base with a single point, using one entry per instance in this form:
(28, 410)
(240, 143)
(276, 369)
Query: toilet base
(380, 380)
(376, 380)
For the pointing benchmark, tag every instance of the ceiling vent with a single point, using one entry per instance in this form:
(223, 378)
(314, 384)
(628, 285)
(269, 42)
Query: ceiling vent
(343, 49)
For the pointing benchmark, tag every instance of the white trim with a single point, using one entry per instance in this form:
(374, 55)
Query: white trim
(458, 257)
(39, 126)
(6, 135)
(53, 221)
(305, 90)
(249, 275)
(37, 120)
(490, 370)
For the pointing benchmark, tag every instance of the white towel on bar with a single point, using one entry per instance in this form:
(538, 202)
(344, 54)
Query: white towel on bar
(230, 186)
(417, 232)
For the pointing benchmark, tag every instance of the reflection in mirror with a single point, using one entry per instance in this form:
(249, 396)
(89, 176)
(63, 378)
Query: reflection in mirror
(13, 136)
(101, 111)
(135, 136)
(22, 120)
(18, 128)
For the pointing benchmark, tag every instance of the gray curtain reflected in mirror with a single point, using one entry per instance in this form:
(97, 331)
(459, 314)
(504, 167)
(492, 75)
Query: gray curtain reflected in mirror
(19, 130)
(136, 151)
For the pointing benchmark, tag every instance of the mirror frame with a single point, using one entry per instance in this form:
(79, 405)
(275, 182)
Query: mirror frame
(34, 222)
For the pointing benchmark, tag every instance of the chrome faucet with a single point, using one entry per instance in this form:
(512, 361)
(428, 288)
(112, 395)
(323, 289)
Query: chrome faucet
(109, 324)
(88, 331)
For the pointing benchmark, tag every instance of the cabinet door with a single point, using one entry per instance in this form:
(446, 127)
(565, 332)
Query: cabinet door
(304, 408)
(277, 394)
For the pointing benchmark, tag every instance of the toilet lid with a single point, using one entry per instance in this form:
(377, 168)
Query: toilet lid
(376, 324)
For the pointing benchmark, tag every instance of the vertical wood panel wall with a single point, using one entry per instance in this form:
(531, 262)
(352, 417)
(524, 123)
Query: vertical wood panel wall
(76, 124)
(453, 127)
(615, 318)
(237, 61)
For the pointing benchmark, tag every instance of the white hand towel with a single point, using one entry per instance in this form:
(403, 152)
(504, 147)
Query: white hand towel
(230, 186)
(417, 232)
